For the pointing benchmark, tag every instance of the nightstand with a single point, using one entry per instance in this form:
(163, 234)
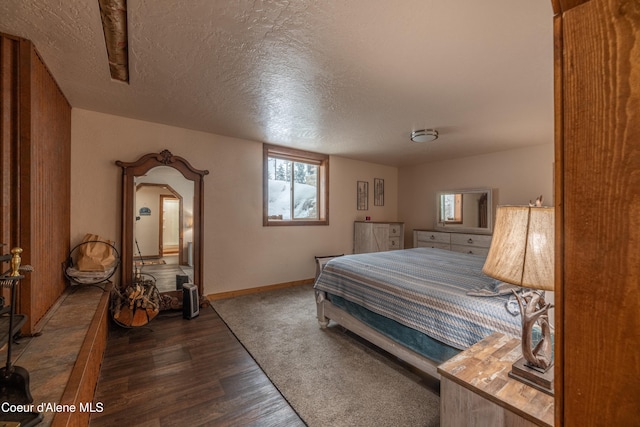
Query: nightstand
(475, 389)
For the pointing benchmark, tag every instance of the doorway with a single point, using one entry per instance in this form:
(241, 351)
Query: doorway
(169, 227)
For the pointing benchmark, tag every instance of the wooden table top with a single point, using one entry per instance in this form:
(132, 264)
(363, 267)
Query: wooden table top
(484, 369)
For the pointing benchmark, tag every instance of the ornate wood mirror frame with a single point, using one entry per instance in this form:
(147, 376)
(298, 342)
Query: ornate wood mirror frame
(139, 168)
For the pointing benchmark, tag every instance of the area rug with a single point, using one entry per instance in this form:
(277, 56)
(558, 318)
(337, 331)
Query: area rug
(330, 377)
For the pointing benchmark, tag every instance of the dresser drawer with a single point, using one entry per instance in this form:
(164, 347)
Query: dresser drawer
(474, 240)
(473, 250)
(432, 237)
(423, 244)
(394, 243)
(395, 230)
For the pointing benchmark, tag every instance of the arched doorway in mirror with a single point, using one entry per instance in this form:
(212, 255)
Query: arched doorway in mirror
(161, 224)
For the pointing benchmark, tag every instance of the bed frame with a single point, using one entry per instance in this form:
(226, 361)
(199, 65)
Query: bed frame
(328, 311)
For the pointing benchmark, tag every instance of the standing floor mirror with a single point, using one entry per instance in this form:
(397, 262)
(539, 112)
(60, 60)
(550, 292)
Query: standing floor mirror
(162, 215)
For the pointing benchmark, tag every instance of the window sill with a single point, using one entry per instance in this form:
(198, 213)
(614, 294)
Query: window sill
(280, 223)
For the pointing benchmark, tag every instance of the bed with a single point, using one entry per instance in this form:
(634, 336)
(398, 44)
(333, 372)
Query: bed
(423, 305)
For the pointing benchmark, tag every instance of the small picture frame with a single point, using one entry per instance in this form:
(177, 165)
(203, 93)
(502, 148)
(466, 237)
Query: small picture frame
(362, 195)
(378, 192)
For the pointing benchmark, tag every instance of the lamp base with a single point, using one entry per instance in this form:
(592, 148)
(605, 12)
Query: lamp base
(533, 377)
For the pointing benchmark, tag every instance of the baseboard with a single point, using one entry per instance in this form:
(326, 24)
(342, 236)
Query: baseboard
(231, 294)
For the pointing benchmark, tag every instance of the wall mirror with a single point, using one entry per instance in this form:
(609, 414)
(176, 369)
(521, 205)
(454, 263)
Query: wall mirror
(162, 213)
(468, 211)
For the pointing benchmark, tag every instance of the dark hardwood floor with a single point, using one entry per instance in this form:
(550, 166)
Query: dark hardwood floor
(185, 372)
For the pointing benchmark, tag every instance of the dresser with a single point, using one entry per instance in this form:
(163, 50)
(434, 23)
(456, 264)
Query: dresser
(370, 236)
(475, 244)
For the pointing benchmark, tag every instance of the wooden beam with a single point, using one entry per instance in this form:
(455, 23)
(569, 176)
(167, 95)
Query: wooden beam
(114, 25)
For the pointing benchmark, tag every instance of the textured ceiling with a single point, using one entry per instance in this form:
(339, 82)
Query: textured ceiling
(345, 77)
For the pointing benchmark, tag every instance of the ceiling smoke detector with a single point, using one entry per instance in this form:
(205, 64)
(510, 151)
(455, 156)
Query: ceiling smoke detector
(424, 135)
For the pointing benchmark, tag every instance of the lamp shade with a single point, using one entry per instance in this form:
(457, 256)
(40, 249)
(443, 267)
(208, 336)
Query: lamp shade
(521, 251)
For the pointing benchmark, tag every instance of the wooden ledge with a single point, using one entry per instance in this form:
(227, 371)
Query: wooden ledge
(82, 383)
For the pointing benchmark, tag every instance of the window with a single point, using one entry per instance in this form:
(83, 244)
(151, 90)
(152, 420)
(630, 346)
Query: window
(451, 208)
(295, 187)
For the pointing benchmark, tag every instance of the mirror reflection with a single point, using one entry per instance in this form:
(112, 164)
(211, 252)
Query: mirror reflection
(163, 227)
(468, 210)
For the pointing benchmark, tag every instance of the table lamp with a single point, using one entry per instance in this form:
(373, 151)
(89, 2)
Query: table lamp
(522, 254)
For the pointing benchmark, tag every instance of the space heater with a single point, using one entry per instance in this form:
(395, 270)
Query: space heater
(190, 303)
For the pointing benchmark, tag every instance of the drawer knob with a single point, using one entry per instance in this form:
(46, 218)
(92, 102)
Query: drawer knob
(470, 241)
(432, 237)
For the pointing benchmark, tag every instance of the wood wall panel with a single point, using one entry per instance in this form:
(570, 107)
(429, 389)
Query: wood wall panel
(36, 156)
(9, 49)
(8, 138)
(49, 186)
(559, 220)
(600, 192)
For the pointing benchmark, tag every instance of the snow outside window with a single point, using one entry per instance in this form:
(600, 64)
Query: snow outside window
(295, 187)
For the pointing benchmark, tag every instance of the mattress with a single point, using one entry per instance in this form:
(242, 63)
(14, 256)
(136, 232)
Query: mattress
(423, 289)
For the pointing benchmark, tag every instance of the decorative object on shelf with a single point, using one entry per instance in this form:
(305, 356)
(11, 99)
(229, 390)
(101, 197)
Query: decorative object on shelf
(378, 192)
(522, 254)
(363, 195)
(424, 135)
(92, 262)
(537, 203)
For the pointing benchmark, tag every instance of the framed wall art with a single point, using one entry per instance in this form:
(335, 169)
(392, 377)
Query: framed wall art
(363, 195)
(378, 192)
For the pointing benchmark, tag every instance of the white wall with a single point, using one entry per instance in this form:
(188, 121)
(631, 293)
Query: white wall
(239, 253)
(517, 176)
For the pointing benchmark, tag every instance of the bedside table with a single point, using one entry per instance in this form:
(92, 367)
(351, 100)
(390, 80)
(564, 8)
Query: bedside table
(475, 389)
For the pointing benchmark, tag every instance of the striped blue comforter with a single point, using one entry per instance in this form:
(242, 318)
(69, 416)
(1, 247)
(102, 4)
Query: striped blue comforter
(424, 289)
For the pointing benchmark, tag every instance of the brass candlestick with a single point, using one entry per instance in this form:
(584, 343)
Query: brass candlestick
(16, 259)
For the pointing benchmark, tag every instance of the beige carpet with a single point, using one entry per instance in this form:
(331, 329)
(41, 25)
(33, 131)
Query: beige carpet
(328, 376)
